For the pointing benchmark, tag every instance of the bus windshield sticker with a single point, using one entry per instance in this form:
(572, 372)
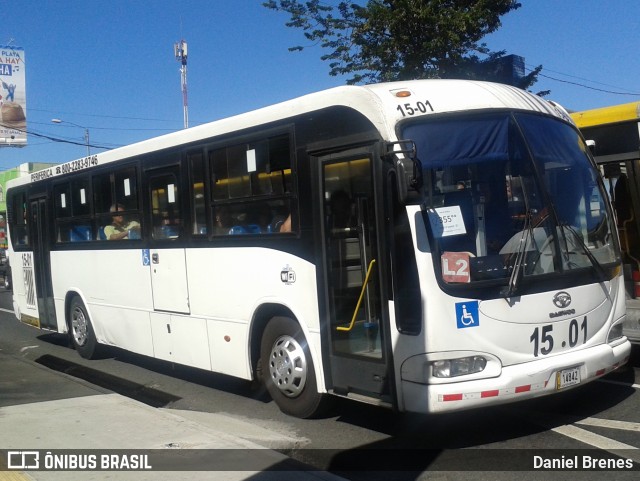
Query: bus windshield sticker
(446, 221)
(467, 314)
(455, 267)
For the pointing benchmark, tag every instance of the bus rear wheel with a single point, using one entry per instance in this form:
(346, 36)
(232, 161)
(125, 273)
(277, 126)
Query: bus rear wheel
(287, 369)
(81, 331)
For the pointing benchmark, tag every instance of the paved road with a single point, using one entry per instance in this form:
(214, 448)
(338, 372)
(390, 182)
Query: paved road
(602, 416)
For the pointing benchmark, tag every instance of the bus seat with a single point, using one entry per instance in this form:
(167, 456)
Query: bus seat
(101, 234)
(167, 232)
(254, 229)
(237, 229)
(80, 233)
(134, 234)
(276, 224)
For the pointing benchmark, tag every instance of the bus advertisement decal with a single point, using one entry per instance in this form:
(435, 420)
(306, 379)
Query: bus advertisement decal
(467, 314)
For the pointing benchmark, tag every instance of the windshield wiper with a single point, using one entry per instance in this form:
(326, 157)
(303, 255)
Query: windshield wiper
(516, 272)
(594, 262)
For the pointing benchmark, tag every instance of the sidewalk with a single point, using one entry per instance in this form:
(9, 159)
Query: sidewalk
(81, 416)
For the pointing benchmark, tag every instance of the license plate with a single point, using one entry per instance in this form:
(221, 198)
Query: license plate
(567, 377)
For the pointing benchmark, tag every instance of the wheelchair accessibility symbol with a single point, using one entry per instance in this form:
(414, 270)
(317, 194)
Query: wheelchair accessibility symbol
(146, 259)
(467, 314)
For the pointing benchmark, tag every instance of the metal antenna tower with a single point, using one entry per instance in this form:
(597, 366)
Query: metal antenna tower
(180, 49)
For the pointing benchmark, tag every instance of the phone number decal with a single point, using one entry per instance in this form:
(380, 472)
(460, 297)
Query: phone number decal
(76, 165)
(73, 166)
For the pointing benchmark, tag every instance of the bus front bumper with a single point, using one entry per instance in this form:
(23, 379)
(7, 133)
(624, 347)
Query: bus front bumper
(515, 383)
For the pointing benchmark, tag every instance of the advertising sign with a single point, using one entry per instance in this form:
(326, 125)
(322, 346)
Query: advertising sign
(13, 97)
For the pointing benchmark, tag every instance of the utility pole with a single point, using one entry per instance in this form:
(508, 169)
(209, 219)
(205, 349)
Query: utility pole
(86, 132)
(180, 50)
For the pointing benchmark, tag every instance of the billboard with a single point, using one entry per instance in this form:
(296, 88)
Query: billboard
(13, 97)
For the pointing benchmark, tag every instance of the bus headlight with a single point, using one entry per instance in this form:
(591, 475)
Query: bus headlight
(458, 367)
(615, 332)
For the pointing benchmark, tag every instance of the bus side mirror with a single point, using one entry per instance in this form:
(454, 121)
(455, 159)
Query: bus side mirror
(409, 177)
(592, 146)
(408, 169)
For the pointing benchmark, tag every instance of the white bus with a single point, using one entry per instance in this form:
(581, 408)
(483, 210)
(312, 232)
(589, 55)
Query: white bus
(429, 245)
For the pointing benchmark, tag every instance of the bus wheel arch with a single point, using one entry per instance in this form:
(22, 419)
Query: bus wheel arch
(284, 364)
(81, 332)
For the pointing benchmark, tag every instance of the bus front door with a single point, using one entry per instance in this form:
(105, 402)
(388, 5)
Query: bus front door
(356, 330)
(37, 271)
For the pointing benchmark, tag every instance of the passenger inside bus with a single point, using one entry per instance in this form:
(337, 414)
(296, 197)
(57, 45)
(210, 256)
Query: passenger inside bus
(285, 226)
(120, 228)
(341, 215)
(622, 197)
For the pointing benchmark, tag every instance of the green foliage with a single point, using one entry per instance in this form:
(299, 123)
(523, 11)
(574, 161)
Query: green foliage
(388, 40)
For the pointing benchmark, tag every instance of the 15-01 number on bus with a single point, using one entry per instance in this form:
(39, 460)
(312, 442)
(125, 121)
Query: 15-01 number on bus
(543, 340)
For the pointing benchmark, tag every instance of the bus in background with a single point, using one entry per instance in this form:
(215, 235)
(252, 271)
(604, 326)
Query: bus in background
(430, 246)
(614, 135)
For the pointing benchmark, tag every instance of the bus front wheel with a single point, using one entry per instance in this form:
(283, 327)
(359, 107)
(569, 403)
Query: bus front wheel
(286, 368)
(81, 331)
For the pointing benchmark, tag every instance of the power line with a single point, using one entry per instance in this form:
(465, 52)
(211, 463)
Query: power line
(633, 94)
(579, 78)
(108, 128)
(60, 139)
(101, 116)
(531, 68)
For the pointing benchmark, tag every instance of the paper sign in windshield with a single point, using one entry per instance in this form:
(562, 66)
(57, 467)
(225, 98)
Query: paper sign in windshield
(446, 221)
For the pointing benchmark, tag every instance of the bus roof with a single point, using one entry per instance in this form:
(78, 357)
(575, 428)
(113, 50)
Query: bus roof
(378, 102)
(607, 115)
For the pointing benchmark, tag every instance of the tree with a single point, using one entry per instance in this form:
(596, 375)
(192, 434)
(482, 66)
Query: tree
(388, 40)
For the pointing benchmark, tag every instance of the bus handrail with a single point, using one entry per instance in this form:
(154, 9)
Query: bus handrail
(364, 288)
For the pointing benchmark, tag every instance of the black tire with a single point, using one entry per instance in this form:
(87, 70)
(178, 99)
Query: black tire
(287, 369)
(81, 331)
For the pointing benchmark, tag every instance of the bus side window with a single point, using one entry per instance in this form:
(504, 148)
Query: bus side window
(198, 194)
(251, 187)
(17, 217)
(165, 207)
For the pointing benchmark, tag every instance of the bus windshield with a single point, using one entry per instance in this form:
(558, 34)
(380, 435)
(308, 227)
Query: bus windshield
(511, 197)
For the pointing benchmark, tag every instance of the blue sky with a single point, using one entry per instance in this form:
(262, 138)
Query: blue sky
(109, 66)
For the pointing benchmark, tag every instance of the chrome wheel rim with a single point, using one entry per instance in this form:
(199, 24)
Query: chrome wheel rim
(288, 366)
(79, 326)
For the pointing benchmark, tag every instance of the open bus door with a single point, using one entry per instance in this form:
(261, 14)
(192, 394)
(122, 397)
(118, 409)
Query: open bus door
(359, 363)
(613, 134)
(622, 180)
(37, 268)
